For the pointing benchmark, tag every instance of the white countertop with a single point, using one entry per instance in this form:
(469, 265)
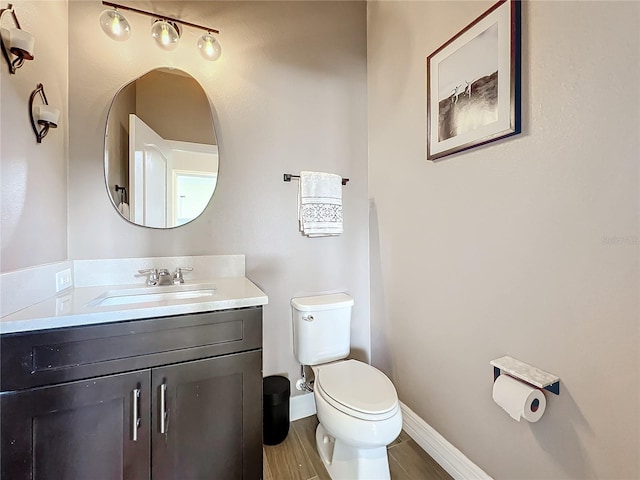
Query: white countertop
(71, 308)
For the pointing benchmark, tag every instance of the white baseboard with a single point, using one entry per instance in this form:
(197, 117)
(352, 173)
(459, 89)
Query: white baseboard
(449, 457)
(301, 406)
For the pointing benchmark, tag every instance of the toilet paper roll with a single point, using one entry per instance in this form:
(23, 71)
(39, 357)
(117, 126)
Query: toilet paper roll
(47, 114)
(519, 399)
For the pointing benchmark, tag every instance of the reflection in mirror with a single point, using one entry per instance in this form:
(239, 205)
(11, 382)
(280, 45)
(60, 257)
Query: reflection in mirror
(161, 153)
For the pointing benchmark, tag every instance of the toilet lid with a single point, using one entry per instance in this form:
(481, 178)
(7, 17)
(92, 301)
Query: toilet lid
(358, 386)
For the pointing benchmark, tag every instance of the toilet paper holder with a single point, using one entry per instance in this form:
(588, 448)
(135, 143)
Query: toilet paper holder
(526, 373)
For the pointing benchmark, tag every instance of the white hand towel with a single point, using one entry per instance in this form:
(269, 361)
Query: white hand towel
(124, 210)
(320, 204)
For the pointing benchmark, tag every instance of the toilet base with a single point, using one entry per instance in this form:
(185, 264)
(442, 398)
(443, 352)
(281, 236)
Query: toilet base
(346, 462)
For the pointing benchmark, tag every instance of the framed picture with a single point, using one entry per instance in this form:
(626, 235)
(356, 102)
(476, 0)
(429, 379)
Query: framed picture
(473, 83)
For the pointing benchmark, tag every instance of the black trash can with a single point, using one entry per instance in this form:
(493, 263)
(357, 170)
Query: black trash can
(275, 409)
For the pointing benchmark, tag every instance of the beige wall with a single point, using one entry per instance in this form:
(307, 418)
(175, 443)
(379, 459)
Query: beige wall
(33, 177)
(527, 247)
(289, 94)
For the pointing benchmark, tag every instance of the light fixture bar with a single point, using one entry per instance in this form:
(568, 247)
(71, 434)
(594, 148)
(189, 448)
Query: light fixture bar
(158, 15)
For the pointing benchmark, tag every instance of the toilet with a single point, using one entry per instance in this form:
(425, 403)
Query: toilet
(357, 405)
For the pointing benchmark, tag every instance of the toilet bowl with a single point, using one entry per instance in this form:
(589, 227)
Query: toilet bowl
(359, 415)
(357, 405)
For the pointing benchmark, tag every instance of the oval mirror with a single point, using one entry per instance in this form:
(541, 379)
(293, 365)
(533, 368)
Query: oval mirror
(160, 150)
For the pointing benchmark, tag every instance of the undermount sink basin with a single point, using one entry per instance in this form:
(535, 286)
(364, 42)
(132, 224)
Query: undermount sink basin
(164, 295)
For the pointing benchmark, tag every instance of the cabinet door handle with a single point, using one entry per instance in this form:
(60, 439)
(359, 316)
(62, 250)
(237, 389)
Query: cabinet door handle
(163, 408)
(136, 414)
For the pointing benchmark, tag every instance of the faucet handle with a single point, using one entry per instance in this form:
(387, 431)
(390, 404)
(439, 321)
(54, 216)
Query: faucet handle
(177, 275)
(153, 275)
(150, 271)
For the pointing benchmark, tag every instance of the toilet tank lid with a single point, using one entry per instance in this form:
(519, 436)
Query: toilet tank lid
(322, 302)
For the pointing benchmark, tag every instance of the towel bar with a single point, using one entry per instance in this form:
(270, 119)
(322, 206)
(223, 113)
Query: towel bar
(289, 176)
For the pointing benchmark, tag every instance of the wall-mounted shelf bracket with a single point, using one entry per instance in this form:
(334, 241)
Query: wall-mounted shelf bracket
(527, 373)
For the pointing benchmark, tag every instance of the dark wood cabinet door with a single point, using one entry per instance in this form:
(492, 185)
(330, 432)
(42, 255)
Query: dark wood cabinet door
(78, 431)
(213, 423)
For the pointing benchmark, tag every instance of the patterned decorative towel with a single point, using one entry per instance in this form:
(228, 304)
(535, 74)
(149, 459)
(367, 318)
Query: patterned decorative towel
(320, 204)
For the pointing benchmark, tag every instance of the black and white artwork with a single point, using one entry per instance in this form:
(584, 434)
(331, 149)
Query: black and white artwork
(473, 84)
(468, 80)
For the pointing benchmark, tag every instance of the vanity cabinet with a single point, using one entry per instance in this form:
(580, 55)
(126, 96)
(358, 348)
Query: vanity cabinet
(167, 398)
(207, 419)
(75, 430)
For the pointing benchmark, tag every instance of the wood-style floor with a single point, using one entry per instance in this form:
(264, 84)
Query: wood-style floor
(297, 459)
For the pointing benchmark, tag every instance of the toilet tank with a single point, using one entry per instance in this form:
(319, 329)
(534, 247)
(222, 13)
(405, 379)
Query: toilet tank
(321, 328)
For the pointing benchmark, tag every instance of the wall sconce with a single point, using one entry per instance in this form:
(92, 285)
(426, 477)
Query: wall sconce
(165, 31)
(15, 42)
(44, 116)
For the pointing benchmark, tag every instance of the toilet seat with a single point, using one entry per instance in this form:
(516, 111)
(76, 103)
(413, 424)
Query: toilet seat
(357, 389)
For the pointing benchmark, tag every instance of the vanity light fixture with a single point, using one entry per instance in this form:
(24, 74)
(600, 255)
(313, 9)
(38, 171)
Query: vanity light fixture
(43, 117)
(115, 25)
(209, 47)
(17, 44)
(166, 34)
(166, 31)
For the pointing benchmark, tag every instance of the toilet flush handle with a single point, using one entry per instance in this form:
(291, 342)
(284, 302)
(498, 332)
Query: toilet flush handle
(307, 318)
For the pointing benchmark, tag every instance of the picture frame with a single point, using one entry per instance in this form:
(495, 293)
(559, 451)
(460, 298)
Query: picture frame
(473, 83)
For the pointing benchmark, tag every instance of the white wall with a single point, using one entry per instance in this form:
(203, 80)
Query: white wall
(33, 177)
(527, 247)
(289, 95)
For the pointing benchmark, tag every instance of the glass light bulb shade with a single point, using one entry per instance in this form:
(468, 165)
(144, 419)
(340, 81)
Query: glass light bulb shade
(209, 47)
(166, 34)
(115, 25)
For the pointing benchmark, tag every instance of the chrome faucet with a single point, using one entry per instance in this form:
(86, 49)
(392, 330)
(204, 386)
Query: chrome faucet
(157, 276)
(163, 277)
